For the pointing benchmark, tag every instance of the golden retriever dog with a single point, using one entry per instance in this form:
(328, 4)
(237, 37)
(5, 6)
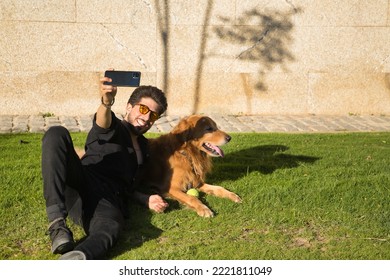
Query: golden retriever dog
(181, 159)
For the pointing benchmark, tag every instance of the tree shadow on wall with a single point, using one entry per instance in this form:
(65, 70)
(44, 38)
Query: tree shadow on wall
(163, 27)
(266, 35)
(387, 80)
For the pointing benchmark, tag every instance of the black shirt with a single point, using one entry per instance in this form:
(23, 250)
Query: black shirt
(110, 161)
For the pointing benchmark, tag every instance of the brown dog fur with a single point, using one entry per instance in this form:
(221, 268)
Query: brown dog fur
(181, 159)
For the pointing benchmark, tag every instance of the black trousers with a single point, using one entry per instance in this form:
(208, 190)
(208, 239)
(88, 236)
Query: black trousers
(67, 193)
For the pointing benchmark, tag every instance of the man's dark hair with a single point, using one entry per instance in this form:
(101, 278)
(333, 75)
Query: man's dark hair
(152, 92)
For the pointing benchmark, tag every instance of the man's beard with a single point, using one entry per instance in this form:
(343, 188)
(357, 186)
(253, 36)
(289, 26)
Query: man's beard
(138, 130)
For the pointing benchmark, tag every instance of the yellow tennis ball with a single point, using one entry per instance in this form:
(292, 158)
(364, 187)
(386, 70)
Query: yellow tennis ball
(193, 192)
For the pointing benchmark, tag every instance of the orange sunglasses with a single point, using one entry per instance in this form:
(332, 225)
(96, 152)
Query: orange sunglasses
(143, 109)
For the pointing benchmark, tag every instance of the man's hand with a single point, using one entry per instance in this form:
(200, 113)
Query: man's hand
(107, 92)
(157, 203)
(153, 202)
(107, 97)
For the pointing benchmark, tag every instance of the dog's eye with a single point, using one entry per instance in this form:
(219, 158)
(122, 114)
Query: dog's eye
(209, 128)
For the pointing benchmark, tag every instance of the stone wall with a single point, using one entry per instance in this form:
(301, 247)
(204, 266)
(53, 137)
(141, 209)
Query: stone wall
(210, 56)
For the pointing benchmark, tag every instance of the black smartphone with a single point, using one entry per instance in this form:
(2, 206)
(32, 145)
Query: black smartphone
(123, 78)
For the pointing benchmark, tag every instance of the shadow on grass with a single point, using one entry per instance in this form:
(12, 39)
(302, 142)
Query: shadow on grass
(138, 229)
(265, 159)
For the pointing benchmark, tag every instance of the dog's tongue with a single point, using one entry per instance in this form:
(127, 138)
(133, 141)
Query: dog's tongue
(218, 151)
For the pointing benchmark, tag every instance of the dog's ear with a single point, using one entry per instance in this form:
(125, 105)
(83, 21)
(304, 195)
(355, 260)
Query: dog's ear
(183, 130)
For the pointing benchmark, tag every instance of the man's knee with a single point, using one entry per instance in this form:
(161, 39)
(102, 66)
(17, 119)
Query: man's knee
(56, 138)
(55, 133)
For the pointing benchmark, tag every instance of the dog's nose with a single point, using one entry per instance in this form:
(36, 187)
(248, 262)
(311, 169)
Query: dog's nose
(228, 138)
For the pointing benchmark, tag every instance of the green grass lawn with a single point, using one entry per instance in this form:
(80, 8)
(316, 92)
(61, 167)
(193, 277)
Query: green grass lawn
(305, 196)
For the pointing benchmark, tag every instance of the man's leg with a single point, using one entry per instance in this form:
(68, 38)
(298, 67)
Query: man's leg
(62, 181)
(102, 230)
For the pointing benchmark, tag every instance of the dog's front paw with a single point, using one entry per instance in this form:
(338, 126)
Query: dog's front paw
(205, 212)
(235, 198)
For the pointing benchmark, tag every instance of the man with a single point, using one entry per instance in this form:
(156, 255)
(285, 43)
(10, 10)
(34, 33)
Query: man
(93, 191)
